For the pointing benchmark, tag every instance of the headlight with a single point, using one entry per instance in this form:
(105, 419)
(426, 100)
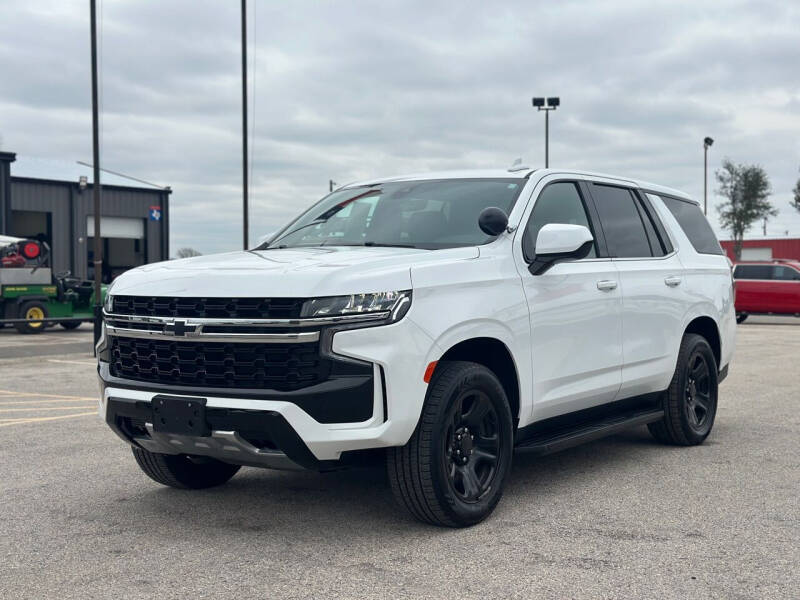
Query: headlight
(108, 303)
(396, 303)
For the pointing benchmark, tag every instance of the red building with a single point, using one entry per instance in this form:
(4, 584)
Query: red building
(765, 249)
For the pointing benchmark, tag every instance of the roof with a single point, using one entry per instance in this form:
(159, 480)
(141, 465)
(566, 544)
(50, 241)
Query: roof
(70, 171)
(7, 240)
(462, 174)
(522, 173)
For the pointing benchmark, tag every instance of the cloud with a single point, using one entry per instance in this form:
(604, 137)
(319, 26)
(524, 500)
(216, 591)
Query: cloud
(351, 90)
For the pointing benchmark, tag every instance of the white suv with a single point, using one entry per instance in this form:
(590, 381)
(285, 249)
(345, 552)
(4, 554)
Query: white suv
(442, 320)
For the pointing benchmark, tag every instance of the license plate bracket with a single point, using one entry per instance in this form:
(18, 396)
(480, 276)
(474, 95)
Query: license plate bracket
(180, 415)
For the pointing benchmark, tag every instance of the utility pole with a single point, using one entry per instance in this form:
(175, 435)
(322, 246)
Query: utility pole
(331, 185)
(245, 220)
(98, 242)
(552, 104)
(707, 142)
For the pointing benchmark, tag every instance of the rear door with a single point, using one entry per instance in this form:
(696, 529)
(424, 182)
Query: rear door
(754, 288)
(654, 300)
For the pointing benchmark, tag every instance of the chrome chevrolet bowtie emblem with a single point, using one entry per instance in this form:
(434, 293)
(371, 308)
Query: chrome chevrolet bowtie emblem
(179, 328)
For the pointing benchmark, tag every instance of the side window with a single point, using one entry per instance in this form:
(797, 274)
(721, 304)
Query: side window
(752, 272)
(558, 203)
(622, 222)
(694, 225)
(785, 274)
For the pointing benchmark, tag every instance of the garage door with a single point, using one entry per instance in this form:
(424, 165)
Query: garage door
(756, 253)
(117, 227)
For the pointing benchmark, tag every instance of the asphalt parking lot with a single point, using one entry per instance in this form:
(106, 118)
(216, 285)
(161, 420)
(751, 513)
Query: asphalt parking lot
(622, 517)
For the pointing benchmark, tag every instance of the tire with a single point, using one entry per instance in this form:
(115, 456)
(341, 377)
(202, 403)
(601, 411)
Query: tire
(179, 471)
(690, 402)
(32, 309)
(70, 325)
(427, 475)
(741, 317)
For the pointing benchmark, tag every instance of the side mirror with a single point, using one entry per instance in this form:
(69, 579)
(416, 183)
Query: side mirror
(558, 242)
(492, 221)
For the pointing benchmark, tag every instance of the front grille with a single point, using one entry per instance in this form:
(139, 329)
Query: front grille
(281, 367)
(220, 308)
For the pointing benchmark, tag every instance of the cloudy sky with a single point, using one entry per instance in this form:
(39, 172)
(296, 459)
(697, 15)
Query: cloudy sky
(348, 90)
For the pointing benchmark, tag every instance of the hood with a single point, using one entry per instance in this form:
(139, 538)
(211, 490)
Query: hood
(288, 272)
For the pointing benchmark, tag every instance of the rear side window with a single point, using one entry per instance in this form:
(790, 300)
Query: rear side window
(785, 274)
(622, 222)
(753, 272)
(694, 225)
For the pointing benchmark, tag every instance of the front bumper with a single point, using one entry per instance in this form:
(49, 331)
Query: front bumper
(308, 428)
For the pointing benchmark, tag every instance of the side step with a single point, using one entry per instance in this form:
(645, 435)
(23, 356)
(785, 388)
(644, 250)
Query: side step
(548, 442)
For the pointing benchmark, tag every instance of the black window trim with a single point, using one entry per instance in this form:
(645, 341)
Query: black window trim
(632, 191)
(662, 195)
(661, 231)
(600, 247)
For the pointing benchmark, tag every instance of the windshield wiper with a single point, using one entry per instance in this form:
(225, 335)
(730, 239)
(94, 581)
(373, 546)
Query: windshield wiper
(383, 245)
(287, 234)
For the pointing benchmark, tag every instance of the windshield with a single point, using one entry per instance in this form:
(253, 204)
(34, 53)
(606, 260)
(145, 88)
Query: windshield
(429, 214)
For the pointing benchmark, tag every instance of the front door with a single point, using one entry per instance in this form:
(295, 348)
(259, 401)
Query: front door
(575, 311)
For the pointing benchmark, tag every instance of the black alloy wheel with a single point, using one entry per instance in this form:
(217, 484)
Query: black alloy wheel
(472, 446)
(452, 470)
(690, 401)
(698, 393)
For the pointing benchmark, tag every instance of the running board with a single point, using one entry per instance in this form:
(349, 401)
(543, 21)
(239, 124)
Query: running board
(548, 442)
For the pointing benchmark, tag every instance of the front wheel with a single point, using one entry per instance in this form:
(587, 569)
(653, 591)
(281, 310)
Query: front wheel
(690, 402)
(183, 472)
(452, 470)
(33, 311)
(741, 317)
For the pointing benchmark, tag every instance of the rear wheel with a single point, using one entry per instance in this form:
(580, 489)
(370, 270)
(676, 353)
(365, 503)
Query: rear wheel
(452, 470)
(32, 310)
(180, 471)
(690, 402)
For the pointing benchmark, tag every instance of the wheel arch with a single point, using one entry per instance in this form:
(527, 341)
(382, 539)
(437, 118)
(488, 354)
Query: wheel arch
(706, 327)
(495, 356)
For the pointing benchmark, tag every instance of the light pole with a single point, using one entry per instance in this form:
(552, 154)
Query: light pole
(245, 191)
(552, 104)
(98, 242)
(707, 142)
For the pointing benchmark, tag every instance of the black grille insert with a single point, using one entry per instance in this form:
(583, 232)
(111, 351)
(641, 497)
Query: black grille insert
(219, 308)
(281, 367)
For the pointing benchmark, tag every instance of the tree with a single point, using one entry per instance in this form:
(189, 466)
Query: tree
(746, 189)
(796, 200)
(187, 253)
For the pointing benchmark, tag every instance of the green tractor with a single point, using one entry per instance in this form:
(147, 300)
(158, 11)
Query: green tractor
(31, 298)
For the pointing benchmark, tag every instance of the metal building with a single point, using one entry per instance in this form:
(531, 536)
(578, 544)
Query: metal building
(52, 201)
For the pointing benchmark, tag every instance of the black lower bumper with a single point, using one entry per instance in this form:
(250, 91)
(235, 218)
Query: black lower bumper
(346, 399)
(267, 431)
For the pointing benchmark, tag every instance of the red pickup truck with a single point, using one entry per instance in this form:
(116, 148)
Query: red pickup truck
(767, 287)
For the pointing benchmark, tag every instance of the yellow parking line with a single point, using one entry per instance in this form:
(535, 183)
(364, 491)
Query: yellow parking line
(39, 419)
(40, 395)
(72, 362)
(37, 408)
(26, 402)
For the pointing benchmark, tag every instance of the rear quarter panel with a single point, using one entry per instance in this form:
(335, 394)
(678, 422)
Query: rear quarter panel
(707, 285)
